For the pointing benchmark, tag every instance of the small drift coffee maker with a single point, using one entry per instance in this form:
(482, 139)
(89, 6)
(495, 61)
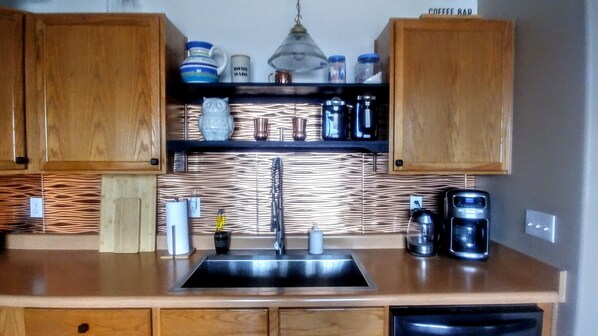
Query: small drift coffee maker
(466, 224)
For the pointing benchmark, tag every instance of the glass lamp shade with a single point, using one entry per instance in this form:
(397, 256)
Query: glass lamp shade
(298, 53)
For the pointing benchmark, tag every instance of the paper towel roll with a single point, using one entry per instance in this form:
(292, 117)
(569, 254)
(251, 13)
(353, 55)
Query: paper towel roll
(177, 227)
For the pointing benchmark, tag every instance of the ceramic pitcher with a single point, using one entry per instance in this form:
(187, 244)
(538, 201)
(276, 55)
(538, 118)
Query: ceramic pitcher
(200, 66)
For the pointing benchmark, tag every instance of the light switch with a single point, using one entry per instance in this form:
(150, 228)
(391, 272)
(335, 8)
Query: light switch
(541, 225)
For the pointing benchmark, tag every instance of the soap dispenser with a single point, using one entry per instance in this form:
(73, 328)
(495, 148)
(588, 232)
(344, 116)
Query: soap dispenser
(316, 240)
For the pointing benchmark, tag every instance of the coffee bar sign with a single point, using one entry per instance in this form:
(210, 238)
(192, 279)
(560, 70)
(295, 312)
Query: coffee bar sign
(448, 7)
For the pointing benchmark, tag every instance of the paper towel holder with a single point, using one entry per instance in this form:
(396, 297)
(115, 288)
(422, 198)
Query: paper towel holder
(171, 233)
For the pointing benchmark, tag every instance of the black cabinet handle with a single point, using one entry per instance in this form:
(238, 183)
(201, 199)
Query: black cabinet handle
(154, 162)
(20, 160)
(83, 328)
(399, 163)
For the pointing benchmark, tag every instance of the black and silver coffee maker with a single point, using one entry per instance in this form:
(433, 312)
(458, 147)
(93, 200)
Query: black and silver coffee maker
(466, 224)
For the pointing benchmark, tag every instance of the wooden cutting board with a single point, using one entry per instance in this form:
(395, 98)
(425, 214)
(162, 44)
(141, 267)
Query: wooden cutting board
(128, 213)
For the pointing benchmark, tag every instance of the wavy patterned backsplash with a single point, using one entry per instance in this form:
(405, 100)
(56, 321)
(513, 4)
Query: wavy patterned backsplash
(71, 203)
(339, 191)
(14, 203)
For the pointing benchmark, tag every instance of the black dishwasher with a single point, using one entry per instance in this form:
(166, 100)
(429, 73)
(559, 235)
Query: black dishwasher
(504, 320)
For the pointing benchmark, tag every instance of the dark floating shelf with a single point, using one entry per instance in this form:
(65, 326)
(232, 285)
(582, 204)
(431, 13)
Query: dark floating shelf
(287, 92)
(378, 146)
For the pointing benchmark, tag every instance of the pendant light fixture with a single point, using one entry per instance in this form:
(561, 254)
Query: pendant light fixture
(298, 52)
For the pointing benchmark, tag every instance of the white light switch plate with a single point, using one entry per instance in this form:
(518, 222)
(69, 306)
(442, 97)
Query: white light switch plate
(541, 225)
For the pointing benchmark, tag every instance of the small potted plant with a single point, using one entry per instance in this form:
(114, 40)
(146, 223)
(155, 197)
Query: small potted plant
(221, 237)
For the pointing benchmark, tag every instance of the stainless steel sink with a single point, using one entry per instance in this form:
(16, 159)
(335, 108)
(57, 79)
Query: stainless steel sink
(261, 270)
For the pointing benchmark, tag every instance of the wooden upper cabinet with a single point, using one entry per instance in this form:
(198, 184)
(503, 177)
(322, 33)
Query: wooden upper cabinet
(99, 87)
(12, 90)
(451, 95)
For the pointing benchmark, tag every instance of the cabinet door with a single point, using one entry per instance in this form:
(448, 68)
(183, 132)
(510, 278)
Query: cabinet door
(98, 80)
(451, 96)
(331, 322)
(12, 112)
(12, 322)
(92, 322)
(208, 322)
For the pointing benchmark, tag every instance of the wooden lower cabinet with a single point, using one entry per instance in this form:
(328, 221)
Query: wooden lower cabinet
(333, 321)
(549, 318)
(11, 322)
(89, 322)
(369, 321)
(273, 321)
(208, 322)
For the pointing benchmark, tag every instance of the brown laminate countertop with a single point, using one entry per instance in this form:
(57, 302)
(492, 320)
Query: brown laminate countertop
(89, 279)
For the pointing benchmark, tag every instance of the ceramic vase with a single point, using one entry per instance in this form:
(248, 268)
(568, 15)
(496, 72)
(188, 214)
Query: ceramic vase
(200, 66)
(222, 241)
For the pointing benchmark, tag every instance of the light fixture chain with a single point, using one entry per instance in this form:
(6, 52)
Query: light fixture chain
(298, 17)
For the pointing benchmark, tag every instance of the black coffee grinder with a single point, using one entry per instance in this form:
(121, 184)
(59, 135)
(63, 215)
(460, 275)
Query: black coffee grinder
(466, 224)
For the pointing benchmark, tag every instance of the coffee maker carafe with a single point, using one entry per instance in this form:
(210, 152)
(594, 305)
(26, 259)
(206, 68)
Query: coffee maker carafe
(466, 225)
(421, 234)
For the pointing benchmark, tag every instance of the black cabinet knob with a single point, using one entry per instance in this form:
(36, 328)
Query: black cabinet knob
(154, 162)
(20, 160)
(399, 163)
(83, 328)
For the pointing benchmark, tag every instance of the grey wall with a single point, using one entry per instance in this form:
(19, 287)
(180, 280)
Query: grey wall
(587, 307)
(550, 146)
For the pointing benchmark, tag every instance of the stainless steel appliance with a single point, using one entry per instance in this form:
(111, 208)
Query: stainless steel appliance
(364, 118)
(334, 119)
(421, 234)
(504, 320)
(466, 224)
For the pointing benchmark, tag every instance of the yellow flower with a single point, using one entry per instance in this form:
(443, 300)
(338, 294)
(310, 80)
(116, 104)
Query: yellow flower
(220, 220)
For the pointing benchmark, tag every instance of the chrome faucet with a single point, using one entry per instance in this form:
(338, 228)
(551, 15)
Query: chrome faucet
(277, 214)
